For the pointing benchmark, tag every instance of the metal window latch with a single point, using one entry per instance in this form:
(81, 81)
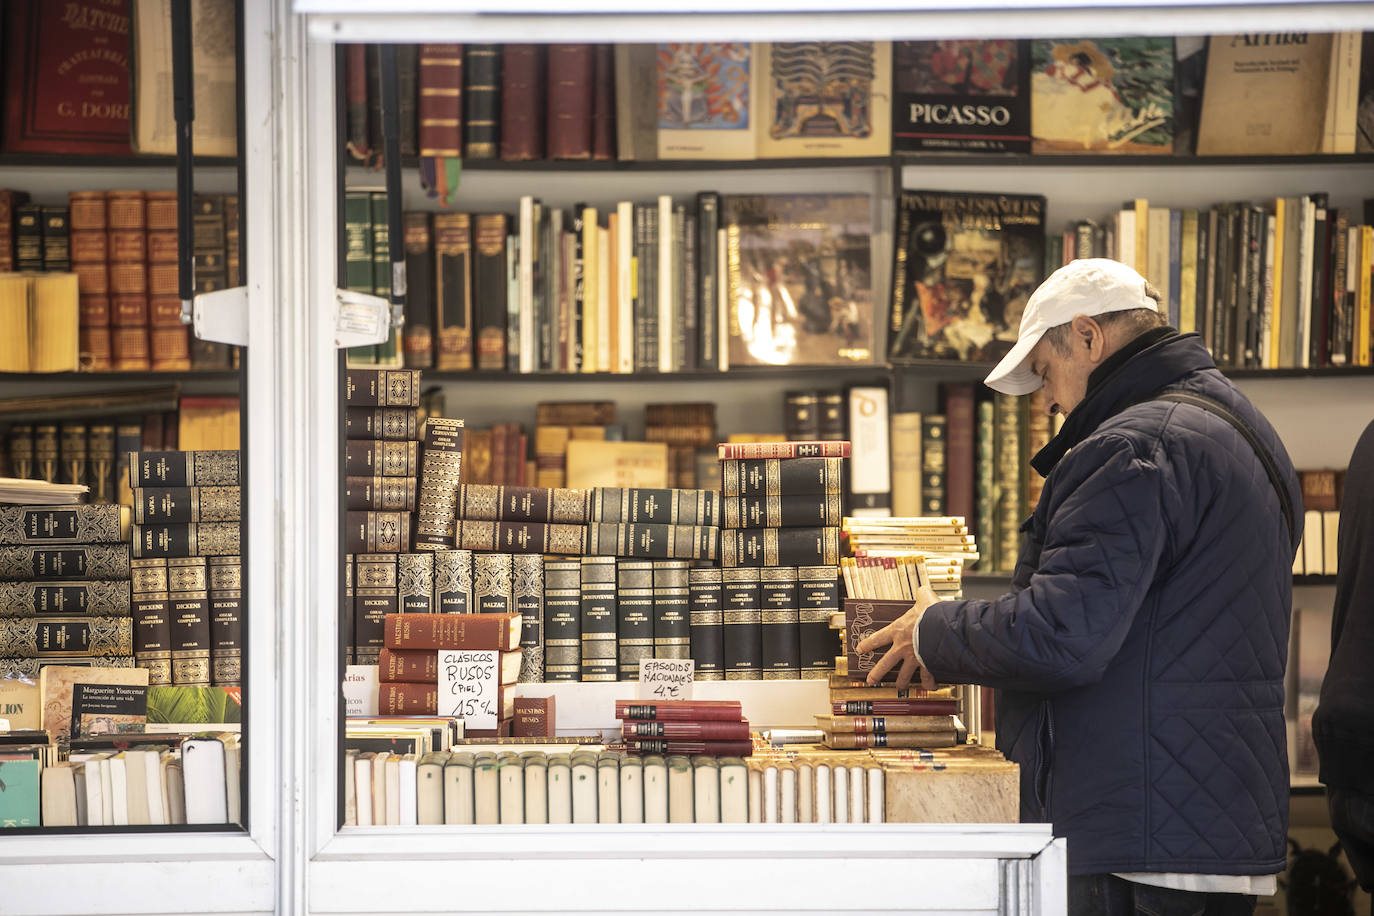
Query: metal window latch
(361, 319)
(221, 316)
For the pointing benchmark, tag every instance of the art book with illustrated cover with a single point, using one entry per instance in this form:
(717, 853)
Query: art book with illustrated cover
(962, 96)
(965, 264)
(824, 98)
(706, 100)
(799, 288)
(1103, 95)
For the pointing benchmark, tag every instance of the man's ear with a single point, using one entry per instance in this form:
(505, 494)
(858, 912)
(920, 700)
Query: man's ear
(1088, 334)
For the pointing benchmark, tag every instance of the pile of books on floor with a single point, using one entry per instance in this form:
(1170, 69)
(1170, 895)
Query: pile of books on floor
(685, 727)
(945, 545)
(64, 587)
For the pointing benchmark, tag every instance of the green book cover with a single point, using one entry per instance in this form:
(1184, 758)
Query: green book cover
(389, 353)
(18, 793)
(194, 705)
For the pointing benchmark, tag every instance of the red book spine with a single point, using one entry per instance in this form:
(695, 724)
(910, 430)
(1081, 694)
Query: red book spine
(959, 425)
(355, 96)
(441, 100)
(800, 449)
(665, 746)
(410, 666)
(522, 96)
(687, 731)
(453, 631)
(571, 72)
(932, 707)
(603, 103)
(89, 256)
(67, 78)
(408, 699)
(680, 711)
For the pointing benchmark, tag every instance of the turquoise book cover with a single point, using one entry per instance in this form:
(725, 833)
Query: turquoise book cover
(18, 793)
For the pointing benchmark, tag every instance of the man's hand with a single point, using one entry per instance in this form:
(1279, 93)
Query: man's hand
(898, 635)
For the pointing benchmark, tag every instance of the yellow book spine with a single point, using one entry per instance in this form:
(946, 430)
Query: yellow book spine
(1275, 321)
(1363, 330)
(590, 258)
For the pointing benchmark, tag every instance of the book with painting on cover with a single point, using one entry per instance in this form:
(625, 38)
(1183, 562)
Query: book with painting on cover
(970, 96)
(824, 98)
(1266, 94)
(707, 105)
(1103, 95)
(799, 285)
(965, 265)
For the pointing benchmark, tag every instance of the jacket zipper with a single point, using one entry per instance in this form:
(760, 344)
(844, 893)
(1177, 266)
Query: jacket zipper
(1049, 760)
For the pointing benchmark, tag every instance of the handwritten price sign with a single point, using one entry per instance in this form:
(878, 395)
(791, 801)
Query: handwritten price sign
(666, 678)
(469, 687)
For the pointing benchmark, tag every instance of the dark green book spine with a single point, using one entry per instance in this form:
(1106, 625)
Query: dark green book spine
(598, 618)
(389, 353)
(358, 258)
(481, 101)
(707, 620)
(818, 597)
(672, 611)
(562, 620)
(781, 641)
(527, 588)
(491, 583)
(782, 477)
(635, 613)
(743, 624)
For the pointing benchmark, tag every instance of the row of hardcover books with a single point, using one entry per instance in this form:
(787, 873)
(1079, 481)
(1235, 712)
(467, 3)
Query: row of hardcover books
(122, 247)
(1126, 95)
(596, 617)
(1280, 284)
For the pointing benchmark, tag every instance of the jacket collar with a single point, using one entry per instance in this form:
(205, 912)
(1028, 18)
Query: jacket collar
(1146, 365)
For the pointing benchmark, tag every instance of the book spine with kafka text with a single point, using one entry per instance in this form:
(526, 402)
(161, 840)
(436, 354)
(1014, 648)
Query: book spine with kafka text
(204, 468)
(180, 505)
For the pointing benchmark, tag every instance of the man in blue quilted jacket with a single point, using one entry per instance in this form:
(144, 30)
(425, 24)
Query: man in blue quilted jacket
(1139, 658)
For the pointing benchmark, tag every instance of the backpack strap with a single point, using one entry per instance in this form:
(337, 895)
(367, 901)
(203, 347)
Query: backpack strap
(1215, 407)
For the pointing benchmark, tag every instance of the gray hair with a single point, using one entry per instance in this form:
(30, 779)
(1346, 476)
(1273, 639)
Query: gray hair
(1130, 322)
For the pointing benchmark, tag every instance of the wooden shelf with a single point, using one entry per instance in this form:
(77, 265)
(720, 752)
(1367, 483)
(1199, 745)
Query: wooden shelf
(173, 376)
(44, 160)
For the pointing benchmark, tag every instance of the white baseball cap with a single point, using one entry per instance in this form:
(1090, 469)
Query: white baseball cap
(1090, 286)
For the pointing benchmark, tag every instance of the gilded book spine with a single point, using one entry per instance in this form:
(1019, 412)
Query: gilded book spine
(707, 620)
(527, 589)
(152, 621)
(188, 593)
(441, 466)
(349, 614)
(780, 623)
(598, 606)
(64, 599)
(203, 539)
(672, 613)
(783, 511)
(42, 525)
(453, 582)
(782, 477)
(382, 388)
(377, 532)
(780, 546)
(655, 542)
(181, 505)
(562, 620)
(375, 596)
(371, 458)
(818, 598)
(204, 468)
(743, 624)
(635, 616)
(400, 424)
(523, 537)
(380, 494)
(65, 637)
(491, 583)
(415, 583)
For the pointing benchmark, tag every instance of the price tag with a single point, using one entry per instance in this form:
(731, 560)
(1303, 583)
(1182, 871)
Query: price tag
(666, 678)
(469, 687)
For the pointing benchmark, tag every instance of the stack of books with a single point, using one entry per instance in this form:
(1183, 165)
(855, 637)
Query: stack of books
(689, 430)
(686, 727)
(905, 729)
(409, 668)
(945, 545)
(781, 537)
(186, 565)
(64, 587)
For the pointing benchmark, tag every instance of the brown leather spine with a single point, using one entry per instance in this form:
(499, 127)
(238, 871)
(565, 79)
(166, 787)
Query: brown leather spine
(571, 69)
(129, 348)
(170, 348)
(441, 100)
(355, 94)
(522, 98)
(453, 290)
(603, 103)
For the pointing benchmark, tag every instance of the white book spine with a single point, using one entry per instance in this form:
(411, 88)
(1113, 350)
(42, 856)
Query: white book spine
(529, 250)
(707, 786)
(409, 803)
(1305, 243)
(362, 779)
(655, 794)
(625, 276)
(770, 795)
(632, 794)
(560, 794)
(510, 777)
(823, 805)
(755, 796)
(604, 297)
(536, 793)
(722, 299)
(806, 794)
(877, 795)
(665, 283)
(839, 777)
(787, 795)
(856, 794)
(607, 794)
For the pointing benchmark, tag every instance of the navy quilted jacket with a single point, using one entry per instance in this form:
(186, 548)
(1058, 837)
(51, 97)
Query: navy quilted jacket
(1139, 660)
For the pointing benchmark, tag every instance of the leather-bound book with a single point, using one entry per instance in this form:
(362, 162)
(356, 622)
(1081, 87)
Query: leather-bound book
(89, 257)
(571, 72)
(522, 102)
(415, 582)
(67, 78)
(453, 290)
(441, 100)
(169, 339)
(781, 644)
(453, 582)
(407, 102)
(355, 95)
(126, 215)
(226, 621)
(489, 289)
(189, 616)
(818, 597)
(417, 339)
(672, 614)
(9, 201)
(635, 616)
(562, 619)
(743, 624)
(598, 603)
(101, 466)
(375, 597)
(28, 237)
(603, 102)
(527, 590)
(481, 101)
(57, 252)
(152, 627)
(75, 454)
(211, 275)
(706, 621)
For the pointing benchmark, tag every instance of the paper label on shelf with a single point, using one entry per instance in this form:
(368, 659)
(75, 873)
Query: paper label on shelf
(360, 319)
(470, 687)
(360, 690)
(666, 678)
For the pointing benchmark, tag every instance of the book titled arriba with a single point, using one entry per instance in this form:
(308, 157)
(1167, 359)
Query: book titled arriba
(67, 77)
